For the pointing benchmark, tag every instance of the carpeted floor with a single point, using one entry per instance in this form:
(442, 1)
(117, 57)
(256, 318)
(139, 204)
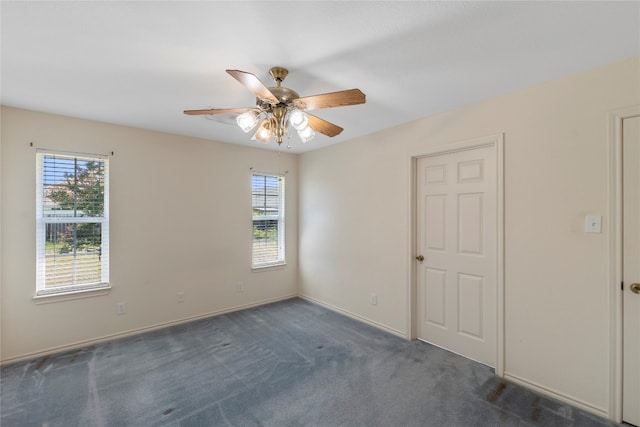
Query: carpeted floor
(290, 363)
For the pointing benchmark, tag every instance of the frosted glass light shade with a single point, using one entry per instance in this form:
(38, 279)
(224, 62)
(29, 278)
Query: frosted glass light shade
(306, 134)
(263, 134)
(247, 120)
(298, 119)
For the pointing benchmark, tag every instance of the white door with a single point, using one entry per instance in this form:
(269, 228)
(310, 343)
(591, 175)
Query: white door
(631, 270)
(456, 226)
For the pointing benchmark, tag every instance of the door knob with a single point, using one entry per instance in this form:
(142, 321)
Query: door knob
(635, 288)
(421, 258)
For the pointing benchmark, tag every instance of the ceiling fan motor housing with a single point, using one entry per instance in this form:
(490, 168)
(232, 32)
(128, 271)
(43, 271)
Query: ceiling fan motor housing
(284, 95)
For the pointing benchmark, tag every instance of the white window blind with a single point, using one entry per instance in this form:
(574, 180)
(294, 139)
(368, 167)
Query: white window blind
(267, 195)
(72, 219)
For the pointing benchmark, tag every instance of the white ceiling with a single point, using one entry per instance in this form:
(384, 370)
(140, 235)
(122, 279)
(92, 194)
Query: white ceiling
(142, 63)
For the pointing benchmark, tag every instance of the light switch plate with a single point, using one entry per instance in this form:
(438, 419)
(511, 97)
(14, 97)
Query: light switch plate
(593, 224)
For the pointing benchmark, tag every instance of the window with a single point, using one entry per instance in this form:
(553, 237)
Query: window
(267, 195)
(72, 219)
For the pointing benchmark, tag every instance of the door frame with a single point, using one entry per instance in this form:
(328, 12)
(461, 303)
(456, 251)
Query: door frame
(497, 142)
(616, 118)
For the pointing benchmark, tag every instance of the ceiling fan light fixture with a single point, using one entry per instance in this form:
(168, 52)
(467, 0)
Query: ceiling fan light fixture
(298, 119)
(281, 107)
(306, 134)
(247, 120)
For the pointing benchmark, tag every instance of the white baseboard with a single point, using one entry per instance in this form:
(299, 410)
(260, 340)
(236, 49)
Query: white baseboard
(347, 313)
(131, 332)
(557, 395)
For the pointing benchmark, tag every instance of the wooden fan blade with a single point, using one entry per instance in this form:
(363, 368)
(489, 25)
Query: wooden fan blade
(323, 126)
(333, 99)
(218, 111)
(254, 84)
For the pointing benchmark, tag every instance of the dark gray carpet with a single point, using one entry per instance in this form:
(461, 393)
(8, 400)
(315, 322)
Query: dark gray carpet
(291, 363)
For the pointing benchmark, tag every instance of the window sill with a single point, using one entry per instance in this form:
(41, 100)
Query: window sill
(72, 295)
(272, 266)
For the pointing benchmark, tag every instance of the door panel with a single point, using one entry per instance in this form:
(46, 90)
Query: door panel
(631, 270)
(435, 297)
(470, 224)
(456, 225)
(436, 209)
(471, 305)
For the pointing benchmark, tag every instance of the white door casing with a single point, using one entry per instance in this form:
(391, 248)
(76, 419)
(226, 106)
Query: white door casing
(457, 228)
(631, 269)
(616, 232)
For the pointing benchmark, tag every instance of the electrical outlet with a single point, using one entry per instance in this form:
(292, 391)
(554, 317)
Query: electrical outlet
(180, 297)
(121, 308)
(374, 299)
(240, 287)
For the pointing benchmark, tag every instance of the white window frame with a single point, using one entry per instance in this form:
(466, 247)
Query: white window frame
(42, 221)
(280, 217)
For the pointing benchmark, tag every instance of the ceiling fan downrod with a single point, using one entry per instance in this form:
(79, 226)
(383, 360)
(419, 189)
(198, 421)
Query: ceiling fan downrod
(278, 74)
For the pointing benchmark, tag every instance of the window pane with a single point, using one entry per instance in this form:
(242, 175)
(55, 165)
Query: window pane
(268, 219)
(265, 241)
(72, 187)
(73, 254)
(72, 223)
(265, 195)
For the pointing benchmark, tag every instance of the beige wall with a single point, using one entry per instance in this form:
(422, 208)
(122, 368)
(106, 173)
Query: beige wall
(355, 210)
(180, 222)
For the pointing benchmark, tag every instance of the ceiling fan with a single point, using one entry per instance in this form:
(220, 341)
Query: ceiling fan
(279, 107)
